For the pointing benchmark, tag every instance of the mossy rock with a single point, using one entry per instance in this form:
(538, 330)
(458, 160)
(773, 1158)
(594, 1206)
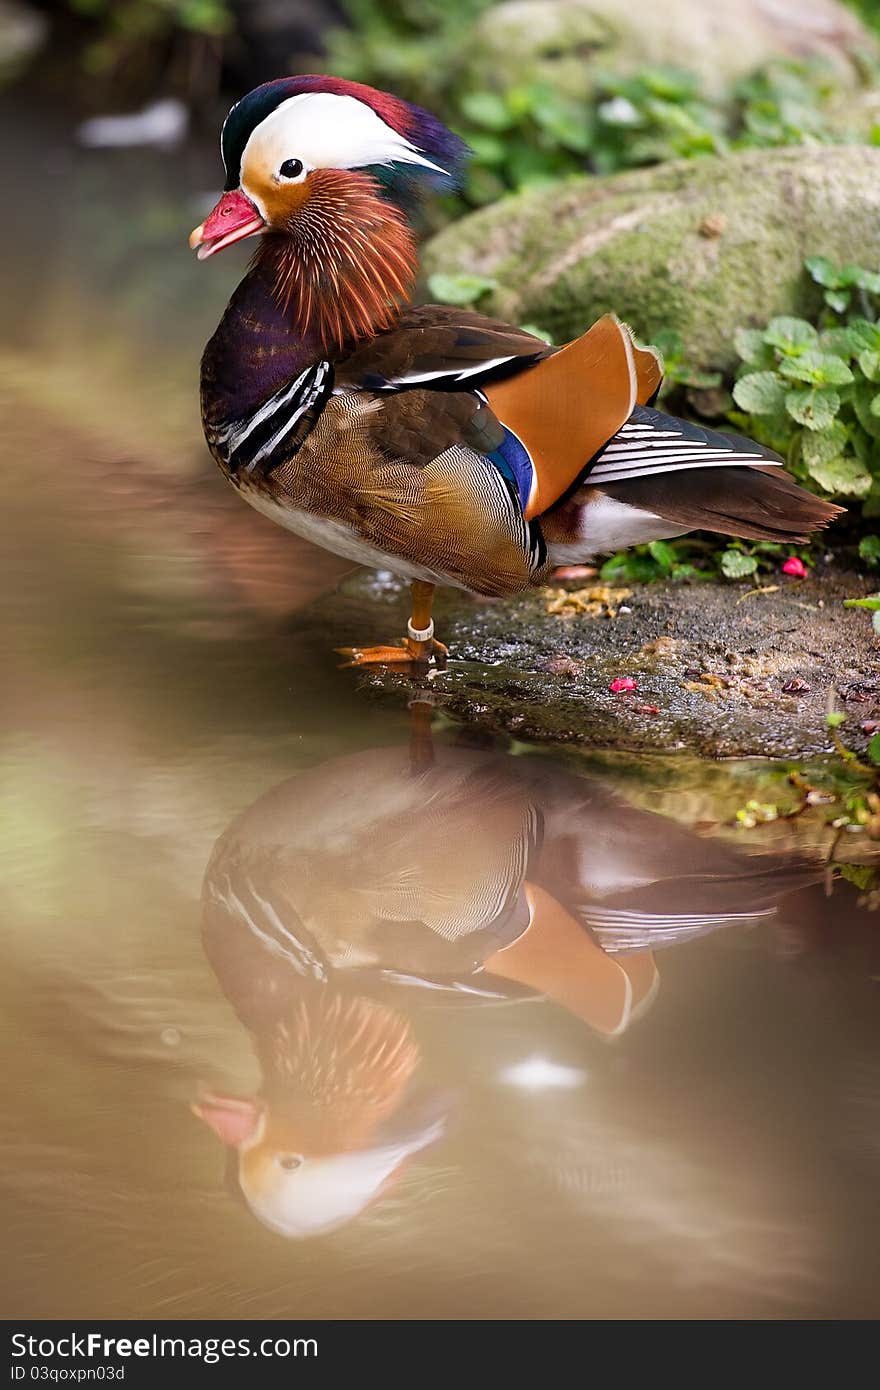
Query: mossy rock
(700, 246)
(563, 41)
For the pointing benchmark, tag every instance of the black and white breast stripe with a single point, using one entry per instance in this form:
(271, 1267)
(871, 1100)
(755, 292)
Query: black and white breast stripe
(651, 442)
(237, 896)
(277, 428)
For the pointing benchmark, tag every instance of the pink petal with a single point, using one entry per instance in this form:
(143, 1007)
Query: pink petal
(568, 572)
(795, 567)
(623, 683)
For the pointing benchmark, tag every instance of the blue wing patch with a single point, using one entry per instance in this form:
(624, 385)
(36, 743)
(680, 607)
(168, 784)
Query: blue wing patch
(514, 463)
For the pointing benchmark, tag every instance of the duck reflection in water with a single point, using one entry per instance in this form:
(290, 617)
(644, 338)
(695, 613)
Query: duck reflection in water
(353, 892)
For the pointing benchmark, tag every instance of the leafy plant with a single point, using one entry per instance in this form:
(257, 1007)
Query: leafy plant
(812, 390)
(120, 26)
(785, 104)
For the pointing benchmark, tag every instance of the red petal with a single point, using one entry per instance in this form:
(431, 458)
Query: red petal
(795, 567)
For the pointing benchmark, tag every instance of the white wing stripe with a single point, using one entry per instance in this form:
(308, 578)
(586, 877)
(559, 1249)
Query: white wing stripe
(670, 454)
(456, 373)
(600, 474)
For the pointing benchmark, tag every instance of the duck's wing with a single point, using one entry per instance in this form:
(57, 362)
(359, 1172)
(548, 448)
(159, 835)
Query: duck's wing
(435, 347)
(421, 476)
(568, 406)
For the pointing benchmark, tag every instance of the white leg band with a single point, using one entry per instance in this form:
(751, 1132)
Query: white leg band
(421, 634)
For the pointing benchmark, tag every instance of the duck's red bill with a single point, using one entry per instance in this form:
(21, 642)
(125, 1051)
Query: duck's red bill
(233, 1120)
(234, 218)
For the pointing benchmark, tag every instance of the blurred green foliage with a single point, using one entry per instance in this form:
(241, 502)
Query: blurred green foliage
(120, 26)
(528, 134)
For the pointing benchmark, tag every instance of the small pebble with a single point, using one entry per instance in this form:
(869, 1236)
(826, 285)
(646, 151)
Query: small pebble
(562, 666)
(713, 225)
(647, 709)
(796, 686)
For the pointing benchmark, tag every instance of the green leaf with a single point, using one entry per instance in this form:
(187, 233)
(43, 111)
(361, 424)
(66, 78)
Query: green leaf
(820, 368)
(813, 407)
(862, 875)
(537, 331)
(874, 407)
(790, 335)
(869, 550)
(823, 271)
(835, 720)
(840, 341)
(819, 446)
(674, 84)
(760, 393)
(751, 346)
(871, 602)
(487, 109)
(488, 149)
(565, 120)
(628, 564)
(862, 401)
(461, 289)
(874, 749)
(863, 333)
(663, 554)
(736, 565)
(838, 300)
(869, 361)
(846, 476)
(865, 279)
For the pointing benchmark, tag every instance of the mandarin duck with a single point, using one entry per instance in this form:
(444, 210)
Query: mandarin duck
(443, 445)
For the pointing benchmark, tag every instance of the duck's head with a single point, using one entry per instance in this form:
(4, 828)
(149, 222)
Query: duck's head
(331, 171)
(336, 1120)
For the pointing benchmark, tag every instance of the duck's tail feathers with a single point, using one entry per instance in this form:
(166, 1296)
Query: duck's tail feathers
(757, 503)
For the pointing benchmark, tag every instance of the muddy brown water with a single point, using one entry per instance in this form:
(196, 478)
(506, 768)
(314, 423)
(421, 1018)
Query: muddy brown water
(487, 1033)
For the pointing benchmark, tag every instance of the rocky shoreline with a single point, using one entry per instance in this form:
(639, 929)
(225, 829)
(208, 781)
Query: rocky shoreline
(720, 670)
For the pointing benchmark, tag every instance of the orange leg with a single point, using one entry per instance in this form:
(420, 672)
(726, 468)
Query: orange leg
(419, 645)
(421, 743)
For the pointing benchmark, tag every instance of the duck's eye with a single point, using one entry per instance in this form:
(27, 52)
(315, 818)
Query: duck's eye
(290, 1162)
(291, 168)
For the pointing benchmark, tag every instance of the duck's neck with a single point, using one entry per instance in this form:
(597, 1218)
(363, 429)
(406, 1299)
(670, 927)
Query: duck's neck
(336, 278)
(254, 350)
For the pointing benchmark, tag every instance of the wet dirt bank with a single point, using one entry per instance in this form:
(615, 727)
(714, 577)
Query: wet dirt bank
(720, 670)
